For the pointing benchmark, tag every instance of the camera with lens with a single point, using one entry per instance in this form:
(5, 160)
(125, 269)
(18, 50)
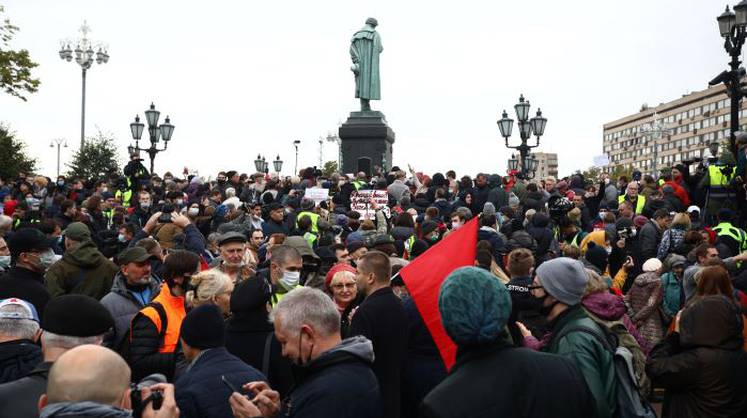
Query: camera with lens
(166, 210)
(136, 394)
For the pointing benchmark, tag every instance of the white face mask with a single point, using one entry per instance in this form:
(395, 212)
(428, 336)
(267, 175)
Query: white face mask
(194, 211)
(456, 225)
(290, 279)
(4, 261)
(121, 238)
(179, 202)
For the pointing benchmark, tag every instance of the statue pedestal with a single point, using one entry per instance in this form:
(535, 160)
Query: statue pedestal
(366, 143)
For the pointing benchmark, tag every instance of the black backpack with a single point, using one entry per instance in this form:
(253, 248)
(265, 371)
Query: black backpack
(123, 348)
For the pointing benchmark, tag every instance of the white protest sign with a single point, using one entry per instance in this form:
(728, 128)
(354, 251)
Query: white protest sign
(601, 161)
(360, 202)
(317, 194)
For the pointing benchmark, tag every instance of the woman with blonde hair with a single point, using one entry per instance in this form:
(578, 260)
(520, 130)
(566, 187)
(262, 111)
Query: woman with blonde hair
(211, 287)
(673, 239)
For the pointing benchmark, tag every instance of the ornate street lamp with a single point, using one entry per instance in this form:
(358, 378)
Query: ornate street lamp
(258, 164)
(84, 57)
(156, 132)
(296, 143)
(59, 142)
(513, 163)
(733, 28)
(527, 127)
(278, 164)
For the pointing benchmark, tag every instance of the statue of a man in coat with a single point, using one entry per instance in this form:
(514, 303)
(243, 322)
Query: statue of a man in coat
(365, 48)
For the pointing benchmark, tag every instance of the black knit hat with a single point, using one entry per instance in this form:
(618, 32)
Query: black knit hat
(597, 256)
(76, 316)
(203, 328)
(250, 295)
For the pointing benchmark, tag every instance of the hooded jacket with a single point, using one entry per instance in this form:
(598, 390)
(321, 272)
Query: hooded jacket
(339, 380)
(83, 410)
(703, 366)
(82, 270)
(123, 305)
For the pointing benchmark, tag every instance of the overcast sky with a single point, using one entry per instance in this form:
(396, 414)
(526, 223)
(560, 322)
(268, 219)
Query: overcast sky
(245, 77)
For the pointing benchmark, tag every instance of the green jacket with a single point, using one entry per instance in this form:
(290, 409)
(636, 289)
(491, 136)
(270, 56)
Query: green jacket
(595, 362)
(83, 270)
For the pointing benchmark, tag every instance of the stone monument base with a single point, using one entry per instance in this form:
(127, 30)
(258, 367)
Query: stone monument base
(366, 143)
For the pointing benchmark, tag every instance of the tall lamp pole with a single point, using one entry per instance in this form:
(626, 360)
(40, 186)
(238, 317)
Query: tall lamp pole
(733, 28)
(59, 142)
(155, 131)
(296, 143)
(84, 56)
(527, 126)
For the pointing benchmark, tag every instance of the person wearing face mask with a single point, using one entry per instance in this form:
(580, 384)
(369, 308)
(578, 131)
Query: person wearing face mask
(154, 346)
(134, 287)
(4, 255)
(331, 374)
(30, 256)
(429, 232)
(284, 273)
(144, 209)
(559, 285)
(83, 269)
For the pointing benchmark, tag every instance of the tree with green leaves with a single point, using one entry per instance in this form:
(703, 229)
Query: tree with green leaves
(330, 167)
(97, 158)
(13, 157)
(15, 65)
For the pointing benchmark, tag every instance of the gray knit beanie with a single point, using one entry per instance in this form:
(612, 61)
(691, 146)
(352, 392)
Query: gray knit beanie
(564, 279)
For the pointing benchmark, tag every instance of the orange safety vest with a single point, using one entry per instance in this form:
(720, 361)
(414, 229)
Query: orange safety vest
(175, 313)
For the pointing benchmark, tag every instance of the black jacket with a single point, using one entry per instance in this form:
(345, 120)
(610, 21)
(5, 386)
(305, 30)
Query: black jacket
(338, 383)
(424, 368)
(19, 399)
(246, 338)
(703, 368)
(525, 309)
(200, 391)
(17, 358)
(21, 283)
(382, 319)
(649, 237)
(523, 383)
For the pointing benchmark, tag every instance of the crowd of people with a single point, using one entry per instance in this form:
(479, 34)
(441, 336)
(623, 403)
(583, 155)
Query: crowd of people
(248, 296)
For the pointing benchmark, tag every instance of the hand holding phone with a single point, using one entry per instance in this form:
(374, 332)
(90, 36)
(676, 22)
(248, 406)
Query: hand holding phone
(231, 386)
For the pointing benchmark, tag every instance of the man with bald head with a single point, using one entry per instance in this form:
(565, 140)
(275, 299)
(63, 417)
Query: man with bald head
(93, 381)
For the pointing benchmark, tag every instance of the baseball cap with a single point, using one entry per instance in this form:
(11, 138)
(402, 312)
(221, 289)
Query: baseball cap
(692, 209)
(29, 308)
(134, 255)
(26, 240)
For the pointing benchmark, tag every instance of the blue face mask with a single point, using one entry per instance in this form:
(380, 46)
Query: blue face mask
(121, 238)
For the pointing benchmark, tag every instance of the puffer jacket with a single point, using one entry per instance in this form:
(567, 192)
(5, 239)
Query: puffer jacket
(644, 301)
(82, 270)
(17, 358)
(123, 304)
(83, 410)
(594, 360)
(703, 366)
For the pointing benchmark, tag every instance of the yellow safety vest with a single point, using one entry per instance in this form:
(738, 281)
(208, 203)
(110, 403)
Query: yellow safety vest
(729, 230)
(640, 203)
(314, 220)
